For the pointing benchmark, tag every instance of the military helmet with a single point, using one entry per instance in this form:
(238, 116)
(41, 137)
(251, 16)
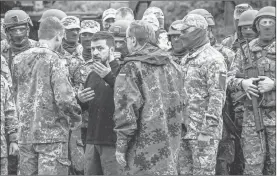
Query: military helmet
(53, 12)
(174, 28)
(268, 11)
(247, 17)
(119, 28)
(15, 18)
(207, 15)
(239, 9)
(152, 19)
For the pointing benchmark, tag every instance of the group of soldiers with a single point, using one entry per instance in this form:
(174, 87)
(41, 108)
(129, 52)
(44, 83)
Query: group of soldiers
(132, 98)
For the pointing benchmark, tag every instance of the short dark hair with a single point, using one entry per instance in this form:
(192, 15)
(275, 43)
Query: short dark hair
(124, 11)
(143, 32)
(104, 35)
(49, 28)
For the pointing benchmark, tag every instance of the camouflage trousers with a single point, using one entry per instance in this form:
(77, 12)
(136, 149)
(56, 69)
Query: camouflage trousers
(100, 160)
(4, 166)
(76, 153)
(44, 159)
(195, 159)
(256, 161)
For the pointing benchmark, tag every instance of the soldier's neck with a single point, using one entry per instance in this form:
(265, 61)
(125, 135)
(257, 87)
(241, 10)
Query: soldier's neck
(264, 43)
(20, 48)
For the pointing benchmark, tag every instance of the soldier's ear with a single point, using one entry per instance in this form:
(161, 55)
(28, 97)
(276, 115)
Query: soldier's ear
(134, 41)
(112, 50)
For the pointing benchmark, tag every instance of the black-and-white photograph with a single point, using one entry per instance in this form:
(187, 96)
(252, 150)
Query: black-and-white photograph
(138, 87)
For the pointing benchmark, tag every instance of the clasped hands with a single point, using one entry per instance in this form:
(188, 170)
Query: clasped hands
(265, 84)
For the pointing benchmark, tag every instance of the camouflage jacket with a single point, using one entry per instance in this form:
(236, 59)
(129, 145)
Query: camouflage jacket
(264, 58)
(149, 102)
(231, 42)
(44, 97)
(5, 71)
(73, 61)
(205, 81)
(9, 121)
(9, 54)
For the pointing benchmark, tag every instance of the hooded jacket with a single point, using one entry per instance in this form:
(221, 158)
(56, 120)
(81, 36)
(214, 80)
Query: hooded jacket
(149, 104)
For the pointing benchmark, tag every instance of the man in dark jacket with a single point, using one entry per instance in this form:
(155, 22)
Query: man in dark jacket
(97, 97)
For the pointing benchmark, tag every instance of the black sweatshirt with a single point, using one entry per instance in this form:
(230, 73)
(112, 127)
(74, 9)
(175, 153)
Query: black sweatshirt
(101, 108)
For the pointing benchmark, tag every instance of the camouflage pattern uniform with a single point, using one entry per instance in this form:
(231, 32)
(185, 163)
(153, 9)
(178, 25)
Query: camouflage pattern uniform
(73, 60)
(149, 98)
(204, 108)
(9, 123)
(9, 53)
(9, 50)
(5, 71)
(257, 162)
(38, 75)
(227, 146)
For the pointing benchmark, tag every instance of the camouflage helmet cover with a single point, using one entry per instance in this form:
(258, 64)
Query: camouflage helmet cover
(207, 15)
(152, 20)
(89, 26)
(119, 28)
(154, 10)
(194, 20)
(15, 18)
(239, 9)
(71, 22)
(175, 27)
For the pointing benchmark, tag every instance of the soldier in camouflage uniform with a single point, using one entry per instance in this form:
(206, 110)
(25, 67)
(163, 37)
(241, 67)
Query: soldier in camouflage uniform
(226, 148)
(161, 34)
(71, 51)
(16, 25)
(9, 125)
(46, 104)
(118, 29)
(174, 33)
(263, 57)
(108, 18)
(88, 28)
(205, 80)
(232, 41)
(149, 102)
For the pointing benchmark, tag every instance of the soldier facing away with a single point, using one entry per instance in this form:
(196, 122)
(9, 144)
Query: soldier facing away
(149, 103)
(259, 67)
(46, 104)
